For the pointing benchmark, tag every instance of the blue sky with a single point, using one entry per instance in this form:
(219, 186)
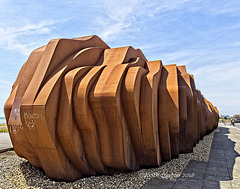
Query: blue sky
(204, 35)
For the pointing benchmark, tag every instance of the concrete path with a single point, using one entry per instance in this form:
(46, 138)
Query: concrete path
(237, 125)
(221, 171)
(5, 142)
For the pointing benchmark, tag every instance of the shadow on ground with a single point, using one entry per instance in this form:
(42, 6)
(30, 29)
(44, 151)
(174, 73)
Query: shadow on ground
(216, 173)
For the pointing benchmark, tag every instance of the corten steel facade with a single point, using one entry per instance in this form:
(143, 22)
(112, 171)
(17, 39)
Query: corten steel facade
(79, 108)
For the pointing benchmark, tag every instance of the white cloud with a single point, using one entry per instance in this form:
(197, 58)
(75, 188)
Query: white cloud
(2, 1)
(16, 38)
(219, 82)
(182, 57)
(5, 82)
(117, 17)
(167, 5)
(200, 34)
(227, 7)
(125, 16)
(219, 74)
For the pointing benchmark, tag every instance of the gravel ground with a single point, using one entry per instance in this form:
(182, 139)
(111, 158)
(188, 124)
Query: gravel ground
(16, 172)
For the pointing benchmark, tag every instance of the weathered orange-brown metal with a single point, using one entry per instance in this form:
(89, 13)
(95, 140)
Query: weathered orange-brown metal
(79, 108)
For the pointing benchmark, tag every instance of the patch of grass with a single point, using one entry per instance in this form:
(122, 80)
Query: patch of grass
(3, 129)
(227, 120)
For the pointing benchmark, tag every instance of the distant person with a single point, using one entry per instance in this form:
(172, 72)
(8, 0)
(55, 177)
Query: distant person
(233, 122)
(224, 121)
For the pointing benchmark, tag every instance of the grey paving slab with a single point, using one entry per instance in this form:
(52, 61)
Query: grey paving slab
(217, 140)
(197, 164)
(194, 175)
(188, 183)
(159, 183)
(217, 150)
(5, 142)
(211, 184)
(215, 146)
(217, 157)
(221, 186)
(195, 170)
(218, 163)
(215, 178)
(217, 170)
(223, 168)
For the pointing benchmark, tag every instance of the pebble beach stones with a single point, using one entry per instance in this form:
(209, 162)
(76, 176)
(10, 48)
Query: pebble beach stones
(16, 172)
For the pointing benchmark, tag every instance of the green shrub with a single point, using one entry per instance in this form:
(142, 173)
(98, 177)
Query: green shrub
(3, 129)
